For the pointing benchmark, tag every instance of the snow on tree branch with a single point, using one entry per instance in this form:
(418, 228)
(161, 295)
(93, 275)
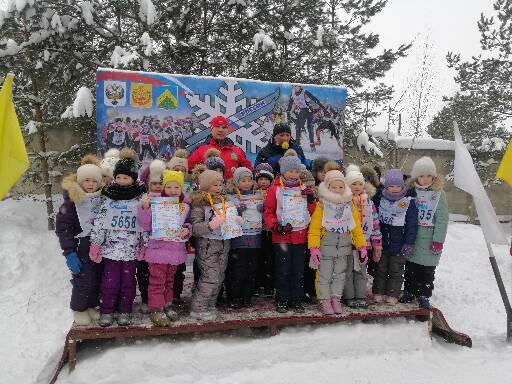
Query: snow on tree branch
(122, 57)
(319, 37)
(266, 42)
(147, 43)
(87, 11)
(363, 140)
(147, 11)
(83, 104)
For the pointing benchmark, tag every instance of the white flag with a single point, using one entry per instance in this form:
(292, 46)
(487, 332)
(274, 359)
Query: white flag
(466, 178)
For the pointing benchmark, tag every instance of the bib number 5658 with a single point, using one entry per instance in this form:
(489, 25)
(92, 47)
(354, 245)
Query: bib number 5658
(124, 222)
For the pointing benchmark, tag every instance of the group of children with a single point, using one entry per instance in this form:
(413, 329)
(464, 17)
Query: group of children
(259, 229)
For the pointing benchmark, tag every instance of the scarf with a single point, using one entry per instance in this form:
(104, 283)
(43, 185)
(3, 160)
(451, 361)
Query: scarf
(290, 183)
(116, 192)
(394, 196)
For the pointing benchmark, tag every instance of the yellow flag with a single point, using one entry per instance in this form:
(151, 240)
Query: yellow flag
(505, 170)
(13, 154)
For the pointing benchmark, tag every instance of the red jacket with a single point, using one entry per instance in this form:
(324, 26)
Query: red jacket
(233, 156)
(270, 217)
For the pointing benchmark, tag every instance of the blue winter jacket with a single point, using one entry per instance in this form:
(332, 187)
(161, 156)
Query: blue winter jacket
(272, 152)
(393, 238)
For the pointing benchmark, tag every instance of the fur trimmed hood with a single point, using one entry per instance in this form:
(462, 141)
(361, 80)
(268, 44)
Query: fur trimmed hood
(325, 194)
(200, 199)
(370, 174)
(370, 189)
(437, 186)
(74, 190)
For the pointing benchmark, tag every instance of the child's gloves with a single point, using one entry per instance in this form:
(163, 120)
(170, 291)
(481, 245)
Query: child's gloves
(141, 254)
(363, 255)
(74, 263)
(407, 250)
(377, 254)
(184, 233)
(240, 220)
(95, 254)
(241, 209)
(260, 208)
(437, 248)
(217, 222)
(146, 202)
(282, 230)
(316, 255)
(309, 193)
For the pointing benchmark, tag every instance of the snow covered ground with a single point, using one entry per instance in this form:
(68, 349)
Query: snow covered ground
(34, 318)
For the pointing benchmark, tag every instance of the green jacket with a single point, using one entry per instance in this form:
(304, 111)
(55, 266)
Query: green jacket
(427, 235)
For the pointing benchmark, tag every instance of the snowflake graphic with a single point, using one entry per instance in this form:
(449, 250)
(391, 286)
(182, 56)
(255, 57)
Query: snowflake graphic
(228, 101)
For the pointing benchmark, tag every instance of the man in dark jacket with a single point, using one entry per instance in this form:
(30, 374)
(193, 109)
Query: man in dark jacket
(280, 142)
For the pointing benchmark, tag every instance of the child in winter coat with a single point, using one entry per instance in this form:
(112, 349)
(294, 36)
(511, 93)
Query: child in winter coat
(246, 249)
(164, 255)
(288, 208)
(73, 227)
(116, 240)
(265, 275)
(432, 205)
(355, 293)
(334, 228)
(212, 230)
(154, 184)
(399, 225)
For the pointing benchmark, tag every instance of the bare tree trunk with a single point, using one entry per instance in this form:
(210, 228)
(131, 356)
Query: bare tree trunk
(43, 138)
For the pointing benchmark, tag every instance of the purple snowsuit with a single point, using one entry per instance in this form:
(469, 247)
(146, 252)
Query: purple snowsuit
(86, 284)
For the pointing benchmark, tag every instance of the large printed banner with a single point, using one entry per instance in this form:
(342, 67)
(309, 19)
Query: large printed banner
(156, 113)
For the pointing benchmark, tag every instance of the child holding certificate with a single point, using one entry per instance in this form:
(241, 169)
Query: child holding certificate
(164, 217)
(287, 213)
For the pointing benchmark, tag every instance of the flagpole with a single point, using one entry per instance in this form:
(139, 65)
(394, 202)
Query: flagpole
(503, 291)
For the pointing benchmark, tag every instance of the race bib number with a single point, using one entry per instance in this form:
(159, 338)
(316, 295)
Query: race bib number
(294, 209)
(393, 212)
(118, 138)
(122, 216)
(253, 219)
(426, 202)
(86, 212)
(144, 139)
(337, 217)
(165, 219)
(231, 229)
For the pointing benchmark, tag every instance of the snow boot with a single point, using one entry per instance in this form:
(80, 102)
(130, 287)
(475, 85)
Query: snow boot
(203, 316)
(379, 298)
(160, 319)
(424, 302)
(144, 308)
(326, 306)
(361, 303)
(171, 313)
(391, 300)
(236, 304)
(351, 303)
(299, 308)
(106, 320)
(336, 305)
(407, 297)
(282, 307)
(81, 318)
(94, 314)
(124, 320)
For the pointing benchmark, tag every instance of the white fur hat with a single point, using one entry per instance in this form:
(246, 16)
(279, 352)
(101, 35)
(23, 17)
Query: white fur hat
(109, 161)
(156, 171)
(424, 167)
(353, 174)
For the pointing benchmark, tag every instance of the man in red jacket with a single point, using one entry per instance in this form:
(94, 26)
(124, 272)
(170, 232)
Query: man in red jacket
(233, 156)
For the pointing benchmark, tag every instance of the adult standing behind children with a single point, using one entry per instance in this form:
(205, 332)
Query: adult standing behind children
(232, 155)
(280, 142)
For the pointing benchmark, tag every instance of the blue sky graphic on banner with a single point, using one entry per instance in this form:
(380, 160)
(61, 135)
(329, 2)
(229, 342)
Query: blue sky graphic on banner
(156, 113)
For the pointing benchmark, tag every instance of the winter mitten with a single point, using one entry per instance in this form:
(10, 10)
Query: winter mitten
(316, 255)
(407, 250)
(437, 248)
(241, 209)
(74, 263)
(95, 254)
(217, 222)
(377, 254)
(184, 232)
(287, 228)
(363, 255)
(260, 208)
(310, 195)
(240, 220)
(141, 254)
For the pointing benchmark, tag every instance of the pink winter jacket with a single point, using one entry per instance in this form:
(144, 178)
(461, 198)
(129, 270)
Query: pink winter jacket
(160, 251)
